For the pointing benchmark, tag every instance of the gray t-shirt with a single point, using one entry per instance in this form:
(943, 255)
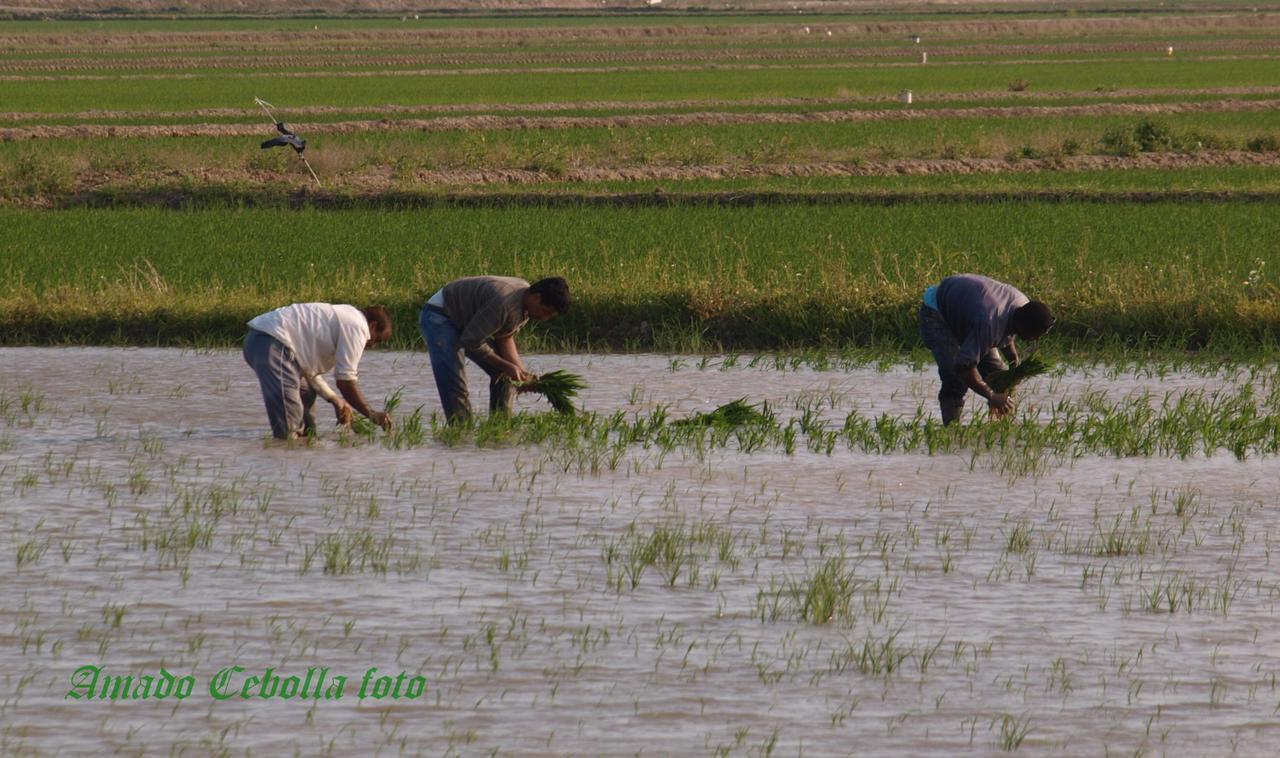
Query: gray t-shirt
(978, 309)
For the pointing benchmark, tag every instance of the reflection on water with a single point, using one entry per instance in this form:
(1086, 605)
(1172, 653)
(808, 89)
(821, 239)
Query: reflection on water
(680, 602)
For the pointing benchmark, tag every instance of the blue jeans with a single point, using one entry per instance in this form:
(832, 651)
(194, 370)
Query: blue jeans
(939, 338)
(444, 345)
(289, 398)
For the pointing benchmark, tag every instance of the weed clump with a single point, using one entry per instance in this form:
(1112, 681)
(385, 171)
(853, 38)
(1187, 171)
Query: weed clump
(1267, 143)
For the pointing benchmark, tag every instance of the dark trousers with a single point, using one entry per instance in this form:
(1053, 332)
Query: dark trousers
(939, 338)
(444, 345)
(289, 398)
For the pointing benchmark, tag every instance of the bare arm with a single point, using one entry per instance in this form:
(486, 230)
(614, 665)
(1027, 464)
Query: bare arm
(505, 347)
(351, 391)
(340, 407)
(999, 402)
(1011, 352)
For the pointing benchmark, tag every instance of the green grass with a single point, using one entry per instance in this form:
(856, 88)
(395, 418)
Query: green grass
(221, 90)
(1187, 275)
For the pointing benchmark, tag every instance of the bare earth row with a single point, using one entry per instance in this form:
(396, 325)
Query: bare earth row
(346, 59)
(1249, 23)
(706, 118)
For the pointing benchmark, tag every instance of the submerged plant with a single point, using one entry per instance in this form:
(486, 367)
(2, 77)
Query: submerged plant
(558, 387)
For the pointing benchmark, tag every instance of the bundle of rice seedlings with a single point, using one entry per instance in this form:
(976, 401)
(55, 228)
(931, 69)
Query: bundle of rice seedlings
(558, 387)
(1005, 381)
(736, 413)
(363, 426)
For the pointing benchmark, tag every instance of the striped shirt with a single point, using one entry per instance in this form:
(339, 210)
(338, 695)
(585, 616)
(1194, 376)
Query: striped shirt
(485, 306)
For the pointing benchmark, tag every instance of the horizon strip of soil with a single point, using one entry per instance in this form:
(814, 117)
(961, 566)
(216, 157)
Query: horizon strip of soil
(1220, 22)
(615, 69)
(700, 118)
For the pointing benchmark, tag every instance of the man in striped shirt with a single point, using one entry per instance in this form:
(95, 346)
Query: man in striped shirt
(478, 317)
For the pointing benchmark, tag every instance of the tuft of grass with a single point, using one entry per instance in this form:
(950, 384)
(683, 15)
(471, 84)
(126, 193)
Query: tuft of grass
(558, 387)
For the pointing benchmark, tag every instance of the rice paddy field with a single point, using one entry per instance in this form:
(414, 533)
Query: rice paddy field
(747, 203)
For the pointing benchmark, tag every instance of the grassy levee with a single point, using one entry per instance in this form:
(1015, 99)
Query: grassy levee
(41, 171)
(1125, 278)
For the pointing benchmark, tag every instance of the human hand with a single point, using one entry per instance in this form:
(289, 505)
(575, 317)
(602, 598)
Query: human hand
(343, 412)
(529, 378)
(1001, 404)
(515, 373)
(382, 419)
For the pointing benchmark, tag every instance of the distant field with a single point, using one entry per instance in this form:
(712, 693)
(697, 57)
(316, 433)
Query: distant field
(219, 89)
(1071, 154)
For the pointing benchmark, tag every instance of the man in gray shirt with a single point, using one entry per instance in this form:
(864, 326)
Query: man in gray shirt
(479, 316)
(964, 320)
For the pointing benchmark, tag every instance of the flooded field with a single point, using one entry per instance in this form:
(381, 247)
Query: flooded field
(1092, 578)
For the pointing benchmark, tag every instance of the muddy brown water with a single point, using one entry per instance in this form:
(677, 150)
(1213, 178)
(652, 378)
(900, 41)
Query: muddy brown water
(147, 524)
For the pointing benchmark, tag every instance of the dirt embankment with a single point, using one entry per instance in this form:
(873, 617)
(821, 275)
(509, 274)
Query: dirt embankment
(1155, 26)
(906, 167)
(705, 118)
(649, 68)
(380, 185)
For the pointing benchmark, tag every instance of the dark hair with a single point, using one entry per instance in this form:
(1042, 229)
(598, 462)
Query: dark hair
(1033, 318)
(379, 320)
(554, 293)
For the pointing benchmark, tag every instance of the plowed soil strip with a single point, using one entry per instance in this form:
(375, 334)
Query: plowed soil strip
(470, 123)
(912, 167)
(1017, 28)
(608, 69)
(378, 185)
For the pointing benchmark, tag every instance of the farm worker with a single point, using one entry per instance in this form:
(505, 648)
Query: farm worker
(479, 316)
(292, 347)
(963, 320)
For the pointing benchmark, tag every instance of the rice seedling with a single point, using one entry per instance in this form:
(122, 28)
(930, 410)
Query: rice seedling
(558, 387)
(735, 413)
(1005, 381)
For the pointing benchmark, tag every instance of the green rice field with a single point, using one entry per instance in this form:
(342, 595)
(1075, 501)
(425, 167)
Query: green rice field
(753, 536)
(1172, 275)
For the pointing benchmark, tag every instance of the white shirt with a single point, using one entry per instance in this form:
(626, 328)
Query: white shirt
(321, 336)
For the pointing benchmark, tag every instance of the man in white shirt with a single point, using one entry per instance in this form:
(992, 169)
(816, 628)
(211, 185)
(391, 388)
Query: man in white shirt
(291, 348)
